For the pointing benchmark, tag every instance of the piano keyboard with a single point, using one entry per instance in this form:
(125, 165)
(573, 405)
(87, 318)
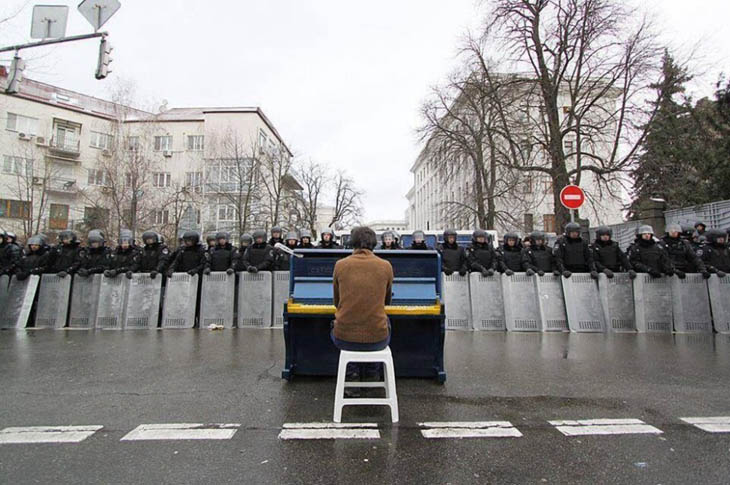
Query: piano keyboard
(434, 309)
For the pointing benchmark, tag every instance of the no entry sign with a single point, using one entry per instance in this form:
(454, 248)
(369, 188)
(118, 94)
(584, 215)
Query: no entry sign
(572, 197)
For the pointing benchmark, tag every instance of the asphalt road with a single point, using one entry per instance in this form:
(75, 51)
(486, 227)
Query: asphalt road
(121, 380)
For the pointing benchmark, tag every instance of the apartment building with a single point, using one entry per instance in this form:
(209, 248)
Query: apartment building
(72, 161)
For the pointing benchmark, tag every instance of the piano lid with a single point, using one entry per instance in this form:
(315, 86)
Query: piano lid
(417, 276)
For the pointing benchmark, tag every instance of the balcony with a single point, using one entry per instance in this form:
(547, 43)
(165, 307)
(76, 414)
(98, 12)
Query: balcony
(60, 185)
(65, 148)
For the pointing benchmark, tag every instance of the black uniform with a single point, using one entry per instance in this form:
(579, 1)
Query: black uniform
(9, 257)
(420, 246)
(65, 258)
(683, 257)
(153, 257)
(573, 255)
(191, 260)
(716, 257)
(510, 257)
(124, 261)
(607, 255)
(32, 262)
(328, 245)
(453, 258)
(649, 257)
(482, 257)
(259, 257)
(539, 259)
(94, 260)
(221, 257)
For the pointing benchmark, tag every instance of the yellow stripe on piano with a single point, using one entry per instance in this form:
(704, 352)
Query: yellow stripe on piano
(434, 309)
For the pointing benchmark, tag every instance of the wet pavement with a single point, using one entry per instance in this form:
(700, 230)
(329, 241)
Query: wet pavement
(121, 380)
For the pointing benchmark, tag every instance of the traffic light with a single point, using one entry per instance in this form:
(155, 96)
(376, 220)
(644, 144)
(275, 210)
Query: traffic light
(105, 50)
(16, 75)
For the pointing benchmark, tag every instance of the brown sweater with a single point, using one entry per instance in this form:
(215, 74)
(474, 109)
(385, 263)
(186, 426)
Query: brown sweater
(362, 287)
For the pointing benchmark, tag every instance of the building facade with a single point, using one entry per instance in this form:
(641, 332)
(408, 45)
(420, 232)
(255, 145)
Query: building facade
(71, 161)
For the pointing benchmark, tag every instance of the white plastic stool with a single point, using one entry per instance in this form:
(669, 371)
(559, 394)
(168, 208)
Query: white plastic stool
(391, 398)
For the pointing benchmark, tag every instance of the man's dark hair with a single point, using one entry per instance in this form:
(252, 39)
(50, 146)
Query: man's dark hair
(363, 238)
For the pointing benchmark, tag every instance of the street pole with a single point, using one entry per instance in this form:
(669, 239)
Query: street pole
(572, 215)
(53, 41)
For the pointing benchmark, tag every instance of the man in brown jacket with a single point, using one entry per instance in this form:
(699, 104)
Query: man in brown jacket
(362, 286)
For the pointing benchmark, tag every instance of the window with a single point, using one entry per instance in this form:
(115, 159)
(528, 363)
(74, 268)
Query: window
(96, 177)
(226, 212)
(14, 209)
(548, 221)
(161, 179)
(101, 140)
(163, 143)
(548, 186)
(568, 144)
(529, 222)
(527, 186)
(17, 165)
(58, 217)
(133, 143)
(194, 180)
(195, 142)
(263, 140)
(66, 135)
(161, 217)
(22, 124)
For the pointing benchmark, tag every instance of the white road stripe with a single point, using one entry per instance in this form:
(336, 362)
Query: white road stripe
(604, 427)
(711, 424)
(47, 434)
(329, 431)
(473, 429)
(182, 431)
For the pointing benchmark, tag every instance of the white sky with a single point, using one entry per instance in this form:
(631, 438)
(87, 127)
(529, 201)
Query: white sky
(341, 80)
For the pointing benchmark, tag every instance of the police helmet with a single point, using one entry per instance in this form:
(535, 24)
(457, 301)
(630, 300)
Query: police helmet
(511, 235)
(700, 223)
(95, 235)
(191, 236)
(714, 234)
(291, 236)
(36, 240)
(44, 238)
(537, 235)
(330, 232)
(246, 238)
(479, 233)
(70, 235)
(390, 234)
(222, 235)
(674, 228)
(210, 238)
(125, 235)
(259, 234)
(305, 233)
(277, 229)
(419, 234)
(572, 227)
(645, 229)
(603, 231)
(688, 231)
(150, 235)
(11, 235)
(449, 232)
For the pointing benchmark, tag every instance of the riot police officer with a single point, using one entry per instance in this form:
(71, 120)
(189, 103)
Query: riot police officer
(572, 253)
(124, 257)
(305, 240)
(453, 256)
(538, 257)
(510, 254)
(154, 256)
(34, 260)
(646, 256)
(277, 236)
(715, 254)
(700, 227)
(388, 241)
(11, 254)
(281, 262)
(210, 242)
(684, 258)
(222, 254)
(245, 241)
(481, 255)
(259, 256)
(607, 254)
(64, 258)
(192, 258)
(419, 241)
(96, 257)
(327, 240)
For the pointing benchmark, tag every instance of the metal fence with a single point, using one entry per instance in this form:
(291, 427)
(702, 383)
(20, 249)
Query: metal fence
(714, 215)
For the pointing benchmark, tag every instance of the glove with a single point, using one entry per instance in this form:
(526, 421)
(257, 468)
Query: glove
(720, 274)
(566, 274)
(83, 272)
(128, 274)
(540, 272)
(654, 273)
(109, 273)
(61, 274)
(706, 274)
(206, 271)
(556, 272)
(170, 272)
(254, 269)
(462, 272)
(484, 272)
(608, 273)
(37, 271)
(509, 272)
(153, 274)
(632, 274)
(230, 271)
(530, 272)
(670, 272)
(447, 272)
(490, 272)
(22, 276)
(192, 272)
(594, 275)
(680, 274)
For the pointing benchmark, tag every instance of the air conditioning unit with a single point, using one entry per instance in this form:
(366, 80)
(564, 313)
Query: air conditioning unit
(23, 136)
(106, 153)
(40, 140)
(167, 153)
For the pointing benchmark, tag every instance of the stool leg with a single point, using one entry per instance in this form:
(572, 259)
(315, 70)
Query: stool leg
(390, 389)
(340, 389)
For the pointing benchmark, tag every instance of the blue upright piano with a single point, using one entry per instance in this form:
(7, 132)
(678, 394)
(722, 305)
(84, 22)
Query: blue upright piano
(416, 314)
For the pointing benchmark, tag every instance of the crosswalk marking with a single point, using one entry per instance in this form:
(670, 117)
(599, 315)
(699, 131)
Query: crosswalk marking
(585, 427)
(181, 431)
(469, 429)
(711, 424)
(47, 434)
(329, 431)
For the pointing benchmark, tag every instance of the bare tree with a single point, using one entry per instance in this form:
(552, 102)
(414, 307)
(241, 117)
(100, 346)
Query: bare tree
(347, 201)
(279, 186)
(591, 65)
(314, 180)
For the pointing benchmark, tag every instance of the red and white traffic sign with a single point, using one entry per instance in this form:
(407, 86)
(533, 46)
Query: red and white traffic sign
(572, 197)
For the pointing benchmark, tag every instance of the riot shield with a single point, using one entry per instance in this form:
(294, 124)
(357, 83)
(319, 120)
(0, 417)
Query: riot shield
(617, 302)
(691, 304)
(456, 302)
(143, 302)
(521, 311)
(19, 302)
(254, 299)
(216, 299)
(582, 303)
(281, 296)
(53, 301)
(181, 297)
(551, 303)
(653, 304)
(112, 302)
(84, 301)
(487, 304)
(720, 302)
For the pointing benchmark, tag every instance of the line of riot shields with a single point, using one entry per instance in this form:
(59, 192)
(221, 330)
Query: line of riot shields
(213, 300)
(520, 302)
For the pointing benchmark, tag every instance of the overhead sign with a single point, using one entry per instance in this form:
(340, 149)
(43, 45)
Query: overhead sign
(97, 12)
(572, 197)
(49, 22)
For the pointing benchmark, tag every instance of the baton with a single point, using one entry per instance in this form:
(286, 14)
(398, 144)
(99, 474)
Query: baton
(287, 250)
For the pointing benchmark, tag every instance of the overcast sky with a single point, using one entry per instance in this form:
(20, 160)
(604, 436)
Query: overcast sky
(341, 80)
